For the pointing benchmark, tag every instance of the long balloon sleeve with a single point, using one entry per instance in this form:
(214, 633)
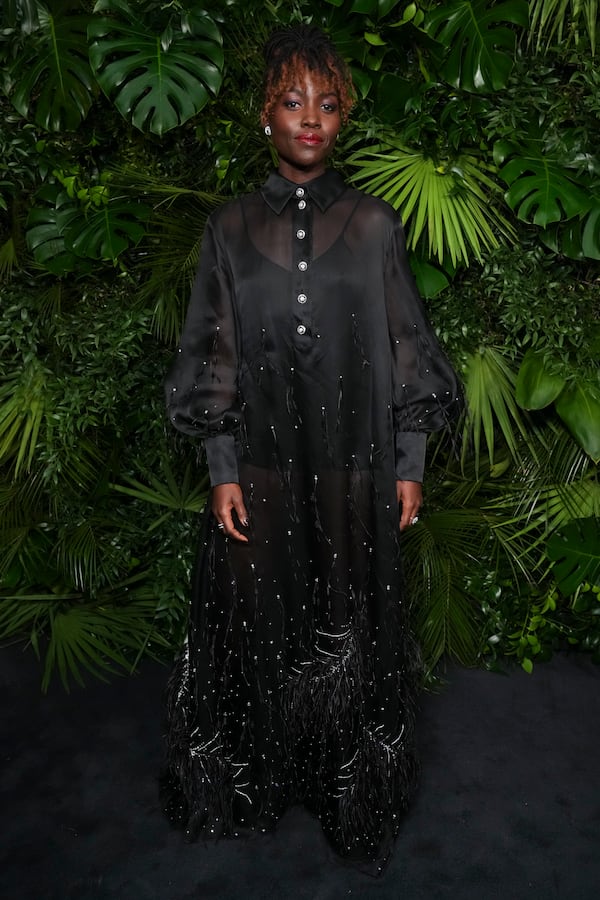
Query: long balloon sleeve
(426, 395)
(202, 385)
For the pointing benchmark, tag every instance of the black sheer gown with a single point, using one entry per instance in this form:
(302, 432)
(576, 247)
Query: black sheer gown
(307, 367)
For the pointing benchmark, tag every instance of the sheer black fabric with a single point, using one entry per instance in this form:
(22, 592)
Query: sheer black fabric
(308, 368)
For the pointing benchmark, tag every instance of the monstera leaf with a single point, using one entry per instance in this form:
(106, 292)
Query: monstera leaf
(157, 81)
(51, 78)
(540, 188)
(578, 238)
(479, 40)
(46, 226)
(61, 231)
(105, 232)
(575, 551)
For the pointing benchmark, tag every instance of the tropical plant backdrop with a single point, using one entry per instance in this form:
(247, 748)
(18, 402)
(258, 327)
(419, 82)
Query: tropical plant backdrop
(122, 125)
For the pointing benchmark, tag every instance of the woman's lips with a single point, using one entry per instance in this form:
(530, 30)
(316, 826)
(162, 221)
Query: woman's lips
(311, 139)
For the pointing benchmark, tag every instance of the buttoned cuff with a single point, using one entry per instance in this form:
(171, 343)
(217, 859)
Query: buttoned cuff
(410, 455)
(222, 459)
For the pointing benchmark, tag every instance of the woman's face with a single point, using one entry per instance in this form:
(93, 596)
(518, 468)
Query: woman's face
(305, 122)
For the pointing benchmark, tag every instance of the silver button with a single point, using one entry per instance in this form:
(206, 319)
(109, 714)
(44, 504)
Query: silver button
(301, 329)
(302, 204)
(300, 234)
(302, 298)
(299, 192)
(303, 265)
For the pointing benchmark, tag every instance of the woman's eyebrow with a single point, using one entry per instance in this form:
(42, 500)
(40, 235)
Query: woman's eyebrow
(298, 90)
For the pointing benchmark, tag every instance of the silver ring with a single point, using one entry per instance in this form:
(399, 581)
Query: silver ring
(414, 520)
(220, 526)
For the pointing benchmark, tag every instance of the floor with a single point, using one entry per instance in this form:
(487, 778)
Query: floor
(509, 804)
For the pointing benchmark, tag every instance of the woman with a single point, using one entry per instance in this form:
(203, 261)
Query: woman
(308, 369)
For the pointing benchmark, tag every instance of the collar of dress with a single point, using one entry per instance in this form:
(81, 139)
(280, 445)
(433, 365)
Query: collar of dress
(324, 190)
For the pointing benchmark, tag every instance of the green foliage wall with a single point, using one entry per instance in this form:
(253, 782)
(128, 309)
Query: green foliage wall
(123, 125)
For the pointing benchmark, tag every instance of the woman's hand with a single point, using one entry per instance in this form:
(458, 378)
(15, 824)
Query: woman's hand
(410, 495)
(225, 498)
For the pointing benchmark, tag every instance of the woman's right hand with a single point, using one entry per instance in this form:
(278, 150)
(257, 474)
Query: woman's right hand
(225, 499)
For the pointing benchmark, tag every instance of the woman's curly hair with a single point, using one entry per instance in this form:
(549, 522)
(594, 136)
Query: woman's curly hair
(290, 51)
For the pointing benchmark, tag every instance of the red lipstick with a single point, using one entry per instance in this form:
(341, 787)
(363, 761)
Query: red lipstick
(310, 138)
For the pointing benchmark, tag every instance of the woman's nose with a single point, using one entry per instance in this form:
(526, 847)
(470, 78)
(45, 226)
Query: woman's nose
(312, 117)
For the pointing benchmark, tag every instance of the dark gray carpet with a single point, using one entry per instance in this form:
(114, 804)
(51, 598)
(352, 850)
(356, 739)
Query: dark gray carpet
(509, 805)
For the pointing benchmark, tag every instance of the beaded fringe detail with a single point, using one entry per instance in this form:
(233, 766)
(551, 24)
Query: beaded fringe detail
(356, 777)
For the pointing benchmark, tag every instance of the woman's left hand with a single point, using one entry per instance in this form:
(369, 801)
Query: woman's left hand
(410, 496)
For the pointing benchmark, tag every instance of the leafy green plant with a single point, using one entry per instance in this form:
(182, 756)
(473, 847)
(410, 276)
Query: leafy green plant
(366, 32)
(576, 401)
(169, 256)
(530, 631)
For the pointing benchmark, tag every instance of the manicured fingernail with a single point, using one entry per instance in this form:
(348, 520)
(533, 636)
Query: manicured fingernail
(245, 522)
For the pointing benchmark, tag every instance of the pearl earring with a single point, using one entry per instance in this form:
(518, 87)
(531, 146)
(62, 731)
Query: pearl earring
(268, 130)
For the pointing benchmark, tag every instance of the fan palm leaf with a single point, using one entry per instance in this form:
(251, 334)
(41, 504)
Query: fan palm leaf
(86, 553)
(534, 514)
(455, 205)
(523, 501)
(557, 484)
(560, 19)
(490, 394)
(9, 259)
(439, 553)
(79, 466)
(190, 495)
(97, 638)
(23, 408)
(170, 251)
(24, 543)
(25, 616)
(100, 638)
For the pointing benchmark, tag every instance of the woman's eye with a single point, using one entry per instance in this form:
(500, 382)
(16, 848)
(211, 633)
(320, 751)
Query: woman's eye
(291, 104)
(329, 107)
